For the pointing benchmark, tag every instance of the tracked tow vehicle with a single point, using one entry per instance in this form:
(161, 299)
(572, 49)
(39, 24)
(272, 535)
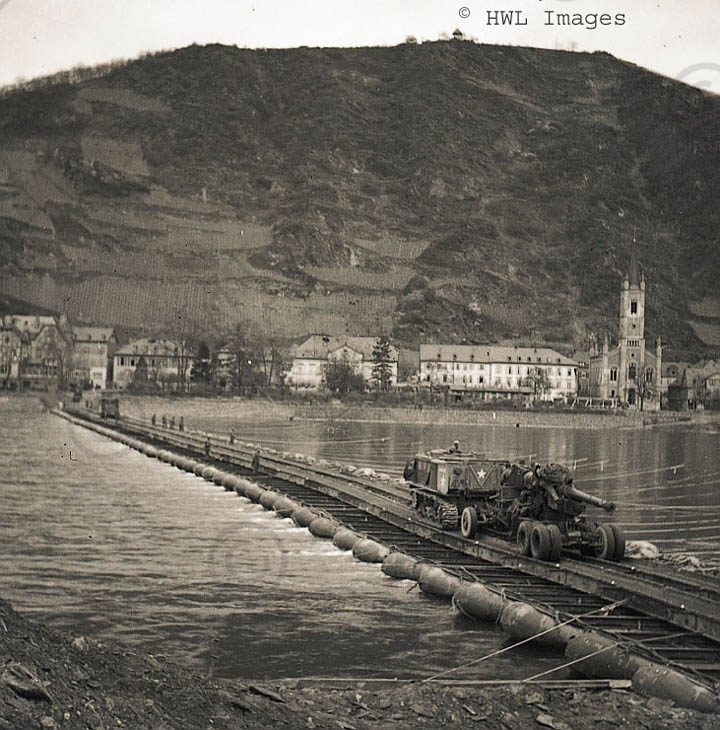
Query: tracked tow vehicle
(537, 506)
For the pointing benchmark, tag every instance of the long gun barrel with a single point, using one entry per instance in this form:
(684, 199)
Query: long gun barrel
(574, 493)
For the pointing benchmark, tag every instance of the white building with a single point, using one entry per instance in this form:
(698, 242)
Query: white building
(92, 350)
(164, 360)
(491, 371)
(312, 356)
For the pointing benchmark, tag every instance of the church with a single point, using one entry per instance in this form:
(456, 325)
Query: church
(628, 372)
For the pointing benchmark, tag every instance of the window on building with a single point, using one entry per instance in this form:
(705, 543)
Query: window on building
(633, 306)
(613, 374)
(632, 371)
(649, 375)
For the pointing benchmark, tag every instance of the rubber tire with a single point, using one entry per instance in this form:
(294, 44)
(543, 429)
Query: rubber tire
(523, 537)
(469, 522)
(540, 544)
(606, 549)
(619, 536)
(555, 543)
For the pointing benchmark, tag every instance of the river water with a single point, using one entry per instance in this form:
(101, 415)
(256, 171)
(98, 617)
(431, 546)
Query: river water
(102, 541)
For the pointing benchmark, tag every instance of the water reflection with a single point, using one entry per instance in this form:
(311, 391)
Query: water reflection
(665, 483)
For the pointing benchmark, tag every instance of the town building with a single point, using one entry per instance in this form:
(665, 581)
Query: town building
(498, 371)
(160, 362)
(628, 372)
(582, 358)
(11, 351)
(702, 379)
(93, 348)
(310, 359)
(35, 351)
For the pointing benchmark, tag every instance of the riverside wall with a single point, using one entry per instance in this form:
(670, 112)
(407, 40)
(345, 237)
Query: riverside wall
(453, 417)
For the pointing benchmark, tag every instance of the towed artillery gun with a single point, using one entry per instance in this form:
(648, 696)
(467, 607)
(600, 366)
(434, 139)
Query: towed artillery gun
(538, 506)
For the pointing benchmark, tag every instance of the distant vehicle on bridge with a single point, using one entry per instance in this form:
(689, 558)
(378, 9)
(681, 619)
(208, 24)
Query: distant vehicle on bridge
(110, 407)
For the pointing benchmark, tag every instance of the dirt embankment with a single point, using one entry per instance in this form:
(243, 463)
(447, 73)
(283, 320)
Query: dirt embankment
(51, 680)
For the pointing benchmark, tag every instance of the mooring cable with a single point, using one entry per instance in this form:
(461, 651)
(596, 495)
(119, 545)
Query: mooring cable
(600, 651)
(602, 609)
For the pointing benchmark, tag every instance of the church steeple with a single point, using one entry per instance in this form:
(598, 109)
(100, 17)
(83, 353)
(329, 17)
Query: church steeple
(631, 357)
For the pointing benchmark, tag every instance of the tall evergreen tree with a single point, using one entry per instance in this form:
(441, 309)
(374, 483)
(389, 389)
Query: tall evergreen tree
(382, 369)
(201, 367)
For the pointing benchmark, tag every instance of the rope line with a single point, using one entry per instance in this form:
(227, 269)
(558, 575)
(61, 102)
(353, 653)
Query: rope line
(602, 609)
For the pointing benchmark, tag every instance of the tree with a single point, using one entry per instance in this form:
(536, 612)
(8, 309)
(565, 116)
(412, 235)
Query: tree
(382, 369)
(537, 379)
(340, 377)
(59, 347)
(141, 376)
(201, 368)
(645, 390)
(224, 368)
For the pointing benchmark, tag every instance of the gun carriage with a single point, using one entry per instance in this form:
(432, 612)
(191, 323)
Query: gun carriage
(537, 506)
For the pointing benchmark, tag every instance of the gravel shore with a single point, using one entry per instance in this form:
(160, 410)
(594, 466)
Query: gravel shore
(53, 680)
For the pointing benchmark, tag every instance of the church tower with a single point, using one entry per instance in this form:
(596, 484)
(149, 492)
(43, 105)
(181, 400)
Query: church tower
(631, 366)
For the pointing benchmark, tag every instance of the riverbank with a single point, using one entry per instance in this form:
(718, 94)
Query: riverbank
(50, 679)
(227, 411)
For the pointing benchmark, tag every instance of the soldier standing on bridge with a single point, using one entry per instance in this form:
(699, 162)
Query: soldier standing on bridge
(181, 425)
(207, 446)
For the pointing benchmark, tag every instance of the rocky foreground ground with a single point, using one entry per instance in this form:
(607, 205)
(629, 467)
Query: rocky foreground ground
(52, 680)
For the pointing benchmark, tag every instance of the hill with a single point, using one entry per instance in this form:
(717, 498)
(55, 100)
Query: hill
(447, 189)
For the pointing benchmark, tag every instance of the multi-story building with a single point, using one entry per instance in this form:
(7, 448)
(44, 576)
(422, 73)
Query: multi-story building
(628, 371)
(313, 355)
(93, 348)
(582, 357)
(36, 351)
(494, 371)
(11, 351)
(161, 361)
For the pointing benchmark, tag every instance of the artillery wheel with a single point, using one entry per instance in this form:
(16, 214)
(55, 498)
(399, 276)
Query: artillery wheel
(469, 522)
(523, 537)
(447, 516)
(540, 541)
(619, 536)
(606, 543)
(555, 542)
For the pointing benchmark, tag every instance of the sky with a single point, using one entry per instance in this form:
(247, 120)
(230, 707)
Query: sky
(677, 38)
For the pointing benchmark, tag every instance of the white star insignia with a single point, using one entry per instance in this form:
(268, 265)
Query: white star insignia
(482, 473)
